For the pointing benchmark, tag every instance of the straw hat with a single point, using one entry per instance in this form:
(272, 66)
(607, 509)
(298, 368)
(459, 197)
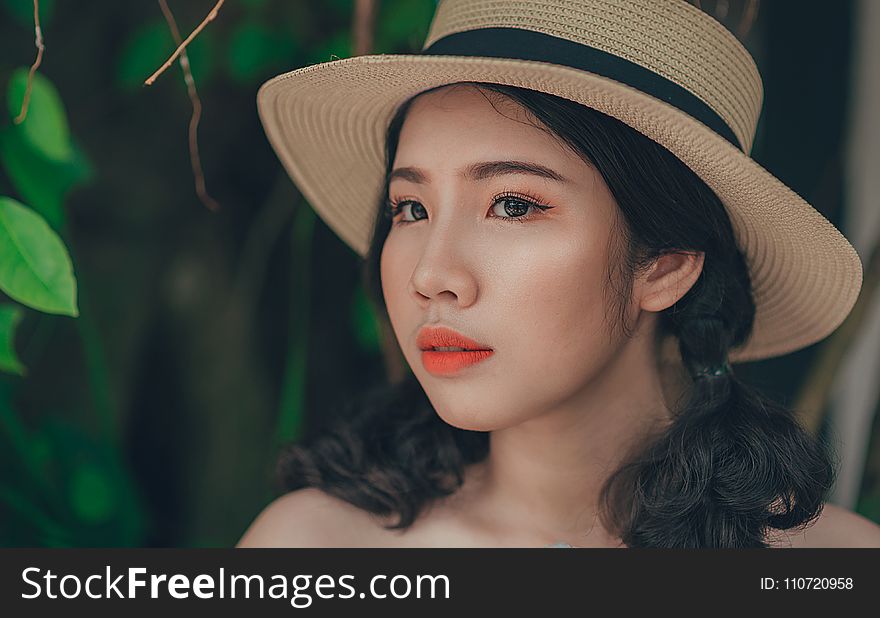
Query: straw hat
(663, 67)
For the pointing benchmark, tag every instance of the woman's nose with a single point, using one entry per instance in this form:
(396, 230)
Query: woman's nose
(444, 268)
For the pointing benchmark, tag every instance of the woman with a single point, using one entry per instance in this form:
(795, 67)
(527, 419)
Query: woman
(598, 288)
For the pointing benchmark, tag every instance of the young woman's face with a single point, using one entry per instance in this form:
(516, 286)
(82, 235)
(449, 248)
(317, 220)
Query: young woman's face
(532, 288)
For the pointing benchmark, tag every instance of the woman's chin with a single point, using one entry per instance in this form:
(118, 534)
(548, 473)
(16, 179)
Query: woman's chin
(475, 421)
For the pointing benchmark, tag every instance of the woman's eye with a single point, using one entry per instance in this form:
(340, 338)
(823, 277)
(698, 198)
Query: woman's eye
(416, 210)
(513, 208)
(510, 208)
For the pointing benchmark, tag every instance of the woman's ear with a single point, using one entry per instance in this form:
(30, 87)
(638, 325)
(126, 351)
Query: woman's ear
(669, 278)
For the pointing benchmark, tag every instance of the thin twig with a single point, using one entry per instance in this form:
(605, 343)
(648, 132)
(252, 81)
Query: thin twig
(39, 43)
(194, 158)
(183, 45)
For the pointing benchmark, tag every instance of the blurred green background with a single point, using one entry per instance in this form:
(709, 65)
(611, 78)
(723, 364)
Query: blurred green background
(154, 354)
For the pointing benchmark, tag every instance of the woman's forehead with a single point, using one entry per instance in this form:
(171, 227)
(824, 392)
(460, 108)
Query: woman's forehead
(458, 129)
(459, 103)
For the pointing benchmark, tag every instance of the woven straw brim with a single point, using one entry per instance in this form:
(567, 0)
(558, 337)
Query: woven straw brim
(327, 124)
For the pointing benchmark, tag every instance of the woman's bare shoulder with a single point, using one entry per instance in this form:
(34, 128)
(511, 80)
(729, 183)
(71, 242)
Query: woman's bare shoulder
(836, 526)
(309, 517)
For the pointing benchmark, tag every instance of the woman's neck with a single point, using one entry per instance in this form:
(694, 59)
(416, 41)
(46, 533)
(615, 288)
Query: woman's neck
(542, 479)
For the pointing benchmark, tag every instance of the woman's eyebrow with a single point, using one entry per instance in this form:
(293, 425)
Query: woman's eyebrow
(482, 171)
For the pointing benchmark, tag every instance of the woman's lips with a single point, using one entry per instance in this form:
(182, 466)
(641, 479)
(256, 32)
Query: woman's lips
(447, 363)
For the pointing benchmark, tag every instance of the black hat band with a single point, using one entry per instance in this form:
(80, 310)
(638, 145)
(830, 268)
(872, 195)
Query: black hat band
(530, 45)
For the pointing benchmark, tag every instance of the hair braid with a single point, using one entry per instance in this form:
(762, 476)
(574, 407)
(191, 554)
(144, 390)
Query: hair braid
(733, 463)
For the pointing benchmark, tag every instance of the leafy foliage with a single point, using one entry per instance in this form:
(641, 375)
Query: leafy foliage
(35, 268)
(45, 126)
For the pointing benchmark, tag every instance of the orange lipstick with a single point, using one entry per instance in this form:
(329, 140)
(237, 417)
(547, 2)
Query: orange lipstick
(434, 342)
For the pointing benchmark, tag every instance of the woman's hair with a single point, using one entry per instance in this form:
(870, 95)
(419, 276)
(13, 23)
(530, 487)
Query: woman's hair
(730, 465)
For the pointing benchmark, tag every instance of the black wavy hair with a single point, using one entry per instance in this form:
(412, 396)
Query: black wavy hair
(731, 465)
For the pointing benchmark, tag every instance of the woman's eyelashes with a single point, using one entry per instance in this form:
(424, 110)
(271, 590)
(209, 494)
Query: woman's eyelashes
(516, 208)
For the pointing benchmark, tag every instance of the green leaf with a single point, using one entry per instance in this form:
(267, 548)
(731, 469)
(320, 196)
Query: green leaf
(151, 45)
(23, 11)
(45, 126)
(41, 183)
(10, 316)
(91, 493)
(35, 268)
